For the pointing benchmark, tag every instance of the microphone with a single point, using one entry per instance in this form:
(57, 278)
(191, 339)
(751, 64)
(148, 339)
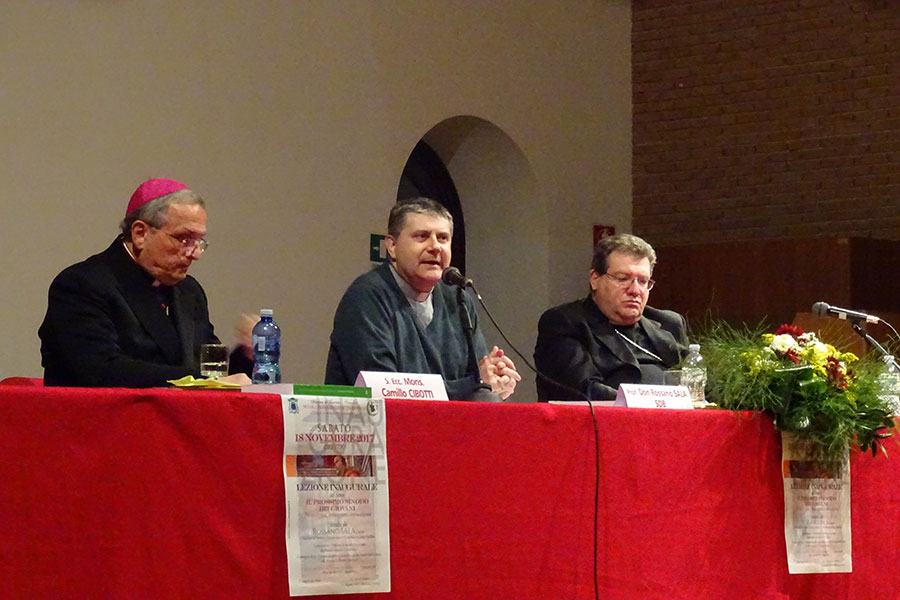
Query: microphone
(452, 276)
(823, 309)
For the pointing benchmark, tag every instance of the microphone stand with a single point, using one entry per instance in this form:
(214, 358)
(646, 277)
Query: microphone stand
(885, 356)
(482, 391)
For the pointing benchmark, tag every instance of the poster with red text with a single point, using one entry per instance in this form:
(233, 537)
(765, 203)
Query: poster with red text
(336, 494)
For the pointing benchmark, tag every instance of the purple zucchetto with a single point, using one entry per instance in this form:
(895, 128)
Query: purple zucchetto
(151, 190)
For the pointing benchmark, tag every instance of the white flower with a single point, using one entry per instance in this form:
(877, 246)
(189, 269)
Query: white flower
(808, 338)
(784, 342)
(819, 351)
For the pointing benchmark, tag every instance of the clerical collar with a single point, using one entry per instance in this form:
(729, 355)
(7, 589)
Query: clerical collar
(408, 290)
(424, 309)
(129, 250)
(156, 283)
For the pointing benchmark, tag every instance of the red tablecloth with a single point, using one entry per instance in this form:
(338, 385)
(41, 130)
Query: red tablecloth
(114, 493)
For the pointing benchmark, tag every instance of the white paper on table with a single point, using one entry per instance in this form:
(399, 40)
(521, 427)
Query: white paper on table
(404, 386)
(641, 395)
(336, 495)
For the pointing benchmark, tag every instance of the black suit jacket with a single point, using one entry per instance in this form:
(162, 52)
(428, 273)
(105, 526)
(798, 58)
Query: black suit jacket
(106, 325)
(578, 347)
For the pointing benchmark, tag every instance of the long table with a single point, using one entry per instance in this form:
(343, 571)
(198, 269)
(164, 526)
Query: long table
(114, 493)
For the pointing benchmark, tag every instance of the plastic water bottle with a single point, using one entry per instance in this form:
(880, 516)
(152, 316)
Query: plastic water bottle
(889, 382)
(693, 376)
(266, 349)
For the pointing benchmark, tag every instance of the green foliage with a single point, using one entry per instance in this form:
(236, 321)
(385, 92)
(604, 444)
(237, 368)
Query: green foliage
(830, 398)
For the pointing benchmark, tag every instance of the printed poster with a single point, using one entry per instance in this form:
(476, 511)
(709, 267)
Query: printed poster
(336, 493)
(816, 511)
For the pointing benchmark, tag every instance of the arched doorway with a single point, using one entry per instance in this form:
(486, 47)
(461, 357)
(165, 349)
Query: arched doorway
(504, 243)
(426, 175)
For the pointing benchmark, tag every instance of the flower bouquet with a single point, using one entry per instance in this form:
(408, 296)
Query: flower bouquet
(830, 398)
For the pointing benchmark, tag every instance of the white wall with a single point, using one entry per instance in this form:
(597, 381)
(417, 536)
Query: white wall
(506, 232)
(294, 120)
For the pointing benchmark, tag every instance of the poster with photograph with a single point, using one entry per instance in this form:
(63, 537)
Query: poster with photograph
(336, 493)
(816, 510)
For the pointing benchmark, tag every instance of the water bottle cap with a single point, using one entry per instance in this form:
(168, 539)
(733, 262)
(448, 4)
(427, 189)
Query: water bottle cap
(265, 312)
(694, 347)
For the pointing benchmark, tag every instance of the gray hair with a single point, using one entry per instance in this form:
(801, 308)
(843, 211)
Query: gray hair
(421, 206)
(153, 213)
(625, 243)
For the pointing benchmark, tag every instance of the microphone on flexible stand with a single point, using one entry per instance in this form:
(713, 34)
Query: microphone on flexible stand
(452, 276)
(823, 309)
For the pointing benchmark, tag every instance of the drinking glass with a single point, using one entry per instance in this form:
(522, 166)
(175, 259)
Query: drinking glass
(672, 377)
(213, 360)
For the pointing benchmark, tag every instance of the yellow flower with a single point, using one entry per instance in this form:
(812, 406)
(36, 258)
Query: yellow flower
(816, 354)
(757, 361)
(847, 357)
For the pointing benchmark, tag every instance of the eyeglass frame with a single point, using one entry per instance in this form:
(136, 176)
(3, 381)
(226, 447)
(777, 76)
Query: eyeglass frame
(625, 281)
(187, 245)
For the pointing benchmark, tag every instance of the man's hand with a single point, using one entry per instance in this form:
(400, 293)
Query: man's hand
(499, 372)
(243, 330)
(238, 378)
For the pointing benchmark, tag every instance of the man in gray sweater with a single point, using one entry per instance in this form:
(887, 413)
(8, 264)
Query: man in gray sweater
(400, 317)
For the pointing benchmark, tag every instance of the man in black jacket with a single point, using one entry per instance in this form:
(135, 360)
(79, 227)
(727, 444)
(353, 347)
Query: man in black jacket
(612, 336)
(131, 316)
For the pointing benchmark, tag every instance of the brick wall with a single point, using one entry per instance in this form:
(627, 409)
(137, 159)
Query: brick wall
(766, 119)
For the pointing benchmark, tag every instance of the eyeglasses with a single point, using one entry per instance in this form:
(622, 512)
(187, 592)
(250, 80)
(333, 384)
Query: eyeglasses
(187, 244)
(624, 281)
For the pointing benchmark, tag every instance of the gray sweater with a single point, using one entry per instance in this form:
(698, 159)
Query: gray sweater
(376, 329)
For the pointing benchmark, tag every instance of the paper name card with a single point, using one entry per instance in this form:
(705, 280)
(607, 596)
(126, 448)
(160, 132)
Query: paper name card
(406, 386)
(638, 395)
